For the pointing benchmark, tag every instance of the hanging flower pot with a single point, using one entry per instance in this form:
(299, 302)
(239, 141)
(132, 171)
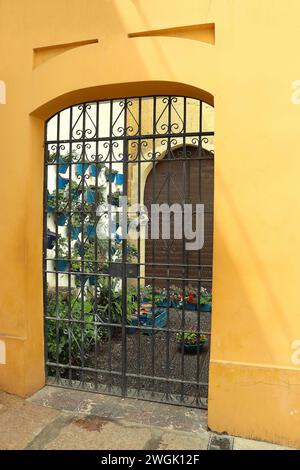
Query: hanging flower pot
(90, 196)
(111, 176)
(74, 232)
(62, 182)
(119, 179)
(81, 168)
(51, 237)
(50, 203)
(61, 265)
(90, 230)
(63, 166)
(81, 278)
(61, 219)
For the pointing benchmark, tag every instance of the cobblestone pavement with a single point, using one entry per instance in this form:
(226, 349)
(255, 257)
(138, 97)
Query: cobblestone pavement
(65, 419)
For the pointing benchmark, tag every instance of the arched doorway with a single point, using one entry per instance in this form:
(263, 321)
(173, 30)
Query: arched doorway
(111, 325)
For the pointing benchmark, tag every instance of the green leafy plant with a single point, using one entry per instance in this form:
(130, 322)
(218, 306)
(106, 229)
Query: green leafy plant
(68, 339)
(192, 337)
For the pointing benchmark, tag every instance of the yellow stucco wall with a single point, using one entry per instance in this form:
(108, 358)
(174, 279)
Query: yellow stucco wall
(254, 386)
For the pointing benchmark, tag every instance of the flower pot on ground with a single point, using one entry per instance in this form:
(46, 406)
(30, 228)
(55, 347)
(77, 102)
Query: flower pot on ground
(205, 307)
(192, 341)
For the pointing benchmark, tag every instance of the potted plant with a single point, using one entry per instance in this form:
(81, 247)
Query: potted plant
(96, 168)
(114, 198)
(192, 340)
(119, 179)
(110, 174)
(61, 261)
(75, 227)
(75, 190)
(81, 168)
(64, 163)
(205, 300)
(95, 195)
(57, 202)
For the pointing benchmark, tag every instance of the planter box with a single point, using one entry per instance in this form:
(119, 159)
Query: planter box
(197, 308)
(205, 307)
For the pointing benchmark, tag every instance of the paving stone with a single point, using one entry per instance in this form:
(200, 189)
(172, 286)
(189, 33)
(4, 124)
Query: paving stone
(248, 444)
(93, 433)
(20, 424)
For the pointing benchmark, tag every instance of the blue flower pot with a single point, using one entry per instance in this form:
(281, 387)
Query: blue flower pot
(81, 168)
(95, 169)
(61, 220)
(79, 248)
(75, 231)
(111, 177)
(50, 208)
(205, 307)
(190, 307)
(61, 265)
(90, 231)
(90, 196)
(92, 280)
(51, 237)
(119, 179)
(62, 182)
(62, 167)
(81, 278)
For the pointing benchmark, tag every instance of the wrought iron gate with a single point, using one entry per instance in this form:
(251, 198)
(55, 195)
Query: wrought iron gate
(127, 315)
